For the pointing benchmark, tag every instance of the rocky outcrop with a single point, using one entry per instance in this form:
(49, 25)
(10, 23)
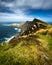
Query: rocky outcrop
(32, 26)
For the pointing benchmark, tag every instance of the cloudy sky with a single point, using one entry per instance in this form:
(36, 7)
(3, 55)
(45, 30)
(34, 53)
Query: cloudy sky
(23, 10)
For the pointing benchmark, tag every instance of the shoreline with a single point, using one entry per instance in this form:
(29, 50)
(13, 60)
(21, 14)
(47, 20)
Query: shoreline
(8, 39)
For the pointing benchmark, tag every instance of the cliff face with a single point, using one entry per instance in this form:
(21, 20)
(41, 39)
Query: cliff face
(32, 26)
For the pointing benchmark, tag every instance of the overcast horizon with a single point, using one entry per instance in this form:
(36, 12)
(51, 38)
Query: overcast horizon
(23, 10)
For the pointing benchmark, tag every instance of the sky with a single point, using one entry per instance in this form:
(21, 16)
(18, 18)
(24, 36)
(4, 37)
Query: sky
(23, 10)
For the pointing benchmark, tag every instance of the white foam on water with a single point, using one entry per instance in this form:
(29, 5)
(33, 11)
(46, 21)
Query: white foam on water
(8, 39)
(16, 28)
(19, 30)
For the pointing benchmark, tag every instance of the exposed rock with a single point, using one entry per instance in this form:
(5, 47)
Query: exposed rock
(32, 26)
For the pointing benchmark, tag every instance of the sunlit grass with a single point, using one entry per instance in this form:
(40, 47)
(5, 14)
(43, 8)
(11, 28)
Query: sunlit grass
(26, 50)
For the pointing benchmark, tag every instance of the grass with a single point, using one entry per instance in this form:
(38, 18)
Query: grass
(28, 50)
(18, 55)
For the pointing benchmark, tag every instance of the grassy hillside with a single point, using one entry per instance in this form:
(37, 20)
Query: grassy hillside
(32, 49)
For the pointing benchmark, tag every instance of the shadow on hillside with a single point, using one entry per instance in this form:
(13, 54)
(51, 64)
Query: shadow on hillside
(28, 39)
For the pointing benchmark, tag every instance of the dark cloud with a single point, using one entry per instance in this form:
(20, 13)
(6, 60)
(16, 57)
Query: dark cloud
(24, 8)
(34, 4)
(6, 10)
(7, 0)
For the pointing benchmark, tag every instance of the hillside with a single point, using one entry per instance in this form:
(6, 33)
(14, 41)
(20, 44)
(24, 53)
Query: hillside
(32, 26)
(34, 48)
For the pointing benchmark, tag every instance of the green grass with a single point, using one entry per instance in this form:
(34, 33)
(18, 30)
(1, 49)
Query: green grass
(19, 55)
(27, 50)
(48, 39)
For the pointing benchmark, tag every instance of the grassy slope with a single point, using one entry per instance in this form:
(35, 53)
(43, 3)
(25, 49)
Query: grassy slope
(34, 49)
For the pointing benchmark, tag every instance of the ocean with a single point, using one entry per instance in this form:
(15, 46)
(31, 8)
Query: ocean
(6, 32)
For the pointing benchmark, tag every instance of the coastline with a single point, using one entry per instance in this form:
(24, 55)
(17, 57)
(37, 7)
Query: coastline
(8, 39)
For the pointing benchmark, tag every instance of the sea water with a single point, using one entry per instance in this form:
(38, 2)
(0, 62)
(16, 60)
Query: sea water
(7, 32)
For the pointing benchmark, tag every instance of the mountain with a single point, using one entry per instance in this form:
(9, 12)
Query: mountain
(29, 48)
(32, 26)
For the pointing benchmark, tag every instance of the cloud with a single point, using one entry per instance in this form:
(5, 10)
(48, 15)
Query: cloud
(7, 0)
(17, 10)
(23, 5)
(40, 4)
(4, 17)
(35, 4)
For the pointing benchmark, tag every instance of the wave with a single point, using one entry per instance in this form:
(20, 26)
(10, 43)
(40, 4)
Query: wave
(16, 28)
(8, 39)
